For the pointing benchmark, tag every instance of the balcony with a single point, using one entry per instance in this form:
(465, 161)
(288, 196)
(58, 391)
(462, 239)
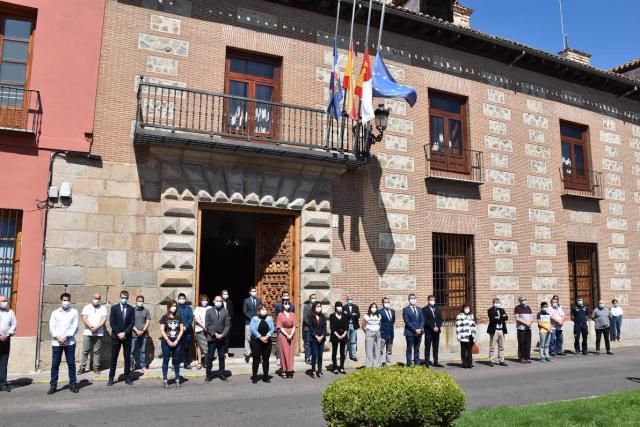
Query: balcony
(189, 117)
(453, 164)
(20, 110)
(581, 183)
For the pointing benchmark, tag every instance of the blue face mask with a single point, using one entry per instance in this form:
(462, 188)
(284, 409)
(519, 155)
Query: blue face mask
(350, 302)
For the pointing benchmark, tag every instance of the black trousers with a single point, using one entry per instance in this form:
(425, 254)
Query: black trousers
(465, 353)
(584, 332)
(115, 351)
(335, 346)
(431, 340)
(599, 334)
(524, 344)
(5, 347)
(260, 350)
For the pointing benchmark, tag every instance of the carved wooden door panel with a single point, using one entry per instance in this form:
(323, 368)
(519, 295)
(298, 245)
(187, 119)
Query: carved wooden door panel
(274, 259)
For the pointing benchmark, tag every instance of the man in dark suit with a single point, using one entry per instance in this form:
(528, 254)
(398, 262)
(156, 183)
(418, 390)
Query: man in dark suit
(387, 323)
(249, 308)
(497, 331)
(122, 320)
(228, 305)
(432, 327)
(352, 312)
(217, 326)
(413, 329)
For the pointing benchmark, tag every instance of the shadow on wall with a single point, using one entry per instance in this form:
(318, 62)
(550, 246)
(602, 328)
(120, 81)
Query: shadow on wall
(451, 188)
(358, 196)
(581, 204)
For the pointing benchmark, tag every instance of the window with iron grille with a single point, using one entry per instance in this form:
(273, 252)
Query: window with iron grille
(10, 239)
(453, 272)
(583, 273)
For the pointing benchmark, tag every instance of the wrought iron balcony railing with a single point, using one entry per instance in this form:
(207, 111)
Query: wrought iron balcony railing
(581, 182)
(454, 164)
(210, 119)
(20, 109)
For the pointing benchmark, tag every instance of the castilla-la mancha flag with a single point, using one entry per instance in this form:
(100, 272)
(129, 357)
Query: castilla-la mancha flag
(364, 89)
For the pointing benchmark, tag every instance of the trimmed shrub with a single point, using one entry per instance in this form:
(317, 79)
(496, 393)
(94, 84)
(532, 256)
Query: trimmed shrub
(395, 396)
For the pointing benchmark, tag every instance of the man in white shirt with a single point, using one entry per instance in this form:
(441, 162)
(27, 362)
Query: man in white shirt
(7, 330)
(63, 326)
(94, 316)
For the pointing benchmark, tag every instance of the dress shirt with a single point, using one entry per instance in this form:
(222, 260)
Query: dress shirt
(63, 323)
(7, 322)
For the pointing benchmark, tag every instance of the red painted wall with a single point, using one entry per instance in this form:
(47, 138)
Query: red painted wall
(64, 69)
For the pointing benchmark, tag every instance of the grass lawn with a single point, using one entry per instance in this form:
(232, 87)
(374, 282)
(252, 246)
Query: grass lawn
(617, 409)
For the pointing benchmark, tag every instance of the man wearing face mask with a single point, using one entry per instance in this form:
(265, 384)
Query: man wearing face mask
(139, 335)
(306, 334)
(602, 324)
(217, 326)
(524, 318)
(352, 312)
(228, 305)
(186, 314)
(580, 317)
(432, 326)
(497, 330)
(94, 316)
(387, 324)
(122, 320)
(7, 330)
(557, 320)
(413, 329)
(249, 309)
(63, 326)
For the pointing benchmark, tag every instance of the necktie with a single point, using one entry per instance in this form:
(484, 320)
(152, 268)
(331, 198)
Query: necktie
(254, 302)
(414, 312)
(388, 314)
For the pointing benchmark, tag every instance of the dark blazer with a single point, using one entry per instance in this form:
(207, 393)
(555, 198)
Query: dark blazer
(432, 319)
(305, 315)
(317, 328)
(353, 314)
(118, 324)
(386, 323)
(497, 315)
(338, 325)
(249, 310)
(411, 321)
(216, 322)
(229, 307)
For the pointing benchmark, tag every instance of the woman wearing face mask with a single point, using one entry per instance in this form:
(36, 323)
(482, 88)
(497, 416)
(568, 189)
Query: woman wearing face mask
(286, 323)
(339, 326)
(262, 329)
(372, 340)
(201, 338)
(616, 321)
(318, 330)
(171, 328)
(466, 334)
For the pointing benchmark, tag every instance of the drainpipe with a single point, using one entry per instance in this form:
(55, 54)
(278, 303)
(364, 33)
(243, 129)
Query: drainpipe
(632, 91)
(54, 155)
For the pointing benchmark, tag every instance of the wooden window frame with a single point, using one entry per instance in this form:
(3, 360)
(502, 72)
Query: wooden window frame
(463, 248)
(252, 81)
(438, 160)
(17, 239)
(573, 249)
(572, 180)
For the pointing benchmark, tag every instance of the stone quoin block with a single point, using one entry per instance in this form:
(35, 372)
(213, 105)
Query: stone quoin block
(502, 211)
(540, 215)
(396, 162)
(397, 201)
(165, 24)
(164, 45)
(397, 262)
(535, 120)
(503, 247)
(620, 284)
(544, 266)
(397, 241)
(499, 160)
(610, 137)
(501, 194)
(542, 232)
(496, 112)
(501, 229)
(540, 199)
(543, 249)
(498, 128)
(496, 143)
(539, 182)
(451, 202)
(500, 177)
(538, 151)
(395, 143)
(536, 136)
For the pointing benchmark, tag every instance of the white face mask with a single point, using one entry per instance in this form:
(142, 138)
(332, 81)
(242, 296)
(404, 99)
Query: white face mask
(66, 304)
(225, 296)
(524, 302)
(497, 305)
(318, 309)
(467, 311)
(182, 301)
(555, 305)
(140, 304)
(374, 310)
(387, 305)
(96, 302)
(173, 309)
(218, 304)
(263, 313)
(287, 307)
(432, 303)
(339, 309)
(254, 293)
(204, 303)
(412, 301)
(312, 300)
(4, 305)
(124, 301)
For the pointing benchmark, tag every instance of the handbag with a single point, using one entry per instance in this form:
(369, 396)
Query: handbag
(475, 349)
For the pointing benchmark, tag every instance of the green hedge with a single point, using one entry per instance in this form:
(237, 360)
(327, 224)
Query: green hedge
(395, 396)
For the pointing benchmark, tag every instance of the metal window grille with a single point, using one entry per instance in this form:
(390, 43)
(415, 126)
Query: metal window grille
(453, 272)
(583, 273)
(10, 237)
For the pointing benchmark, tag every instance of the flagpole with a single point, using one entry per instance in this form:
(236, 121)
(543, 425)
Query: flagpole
(366, 37)
(335, 44)
(384, 6)
(335, 34)
(344, 99)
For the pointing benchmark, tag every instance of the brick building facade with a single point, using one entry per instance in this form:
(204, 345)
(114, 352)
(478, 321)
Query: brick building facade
(190, 198)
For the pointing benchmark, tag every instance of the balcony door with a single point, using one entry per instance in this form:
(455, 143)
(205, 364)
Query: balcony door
(448, 139)
(575, 168)
(252, 84)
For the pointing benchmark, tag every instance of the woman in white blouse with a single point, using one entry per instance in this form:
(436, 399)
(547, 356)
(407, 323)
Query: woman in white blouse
(616, 321)
(372, 339)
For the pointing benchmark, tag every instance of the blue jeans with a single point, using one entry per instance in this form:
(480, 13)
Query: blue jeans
(56, 357)
(352, 346)
(307, 344)
(413, 348)
(317, 348)
(142, 342)
(173, 353)
(544, 345)
(555, 345)
(616, 324)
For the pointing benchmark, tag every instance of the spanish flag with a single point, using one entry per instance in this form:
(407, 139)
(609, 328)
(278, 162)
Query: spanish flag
(347, 84)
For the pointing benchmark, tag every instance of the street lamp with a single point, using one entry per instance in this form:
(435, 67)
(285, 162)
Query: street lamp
(363, 133)
(381, 118)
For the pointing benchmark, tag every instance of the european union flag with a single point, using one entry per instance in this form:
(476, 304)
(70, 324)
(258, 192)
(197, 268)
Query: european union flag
(335, 86)
(385, 86)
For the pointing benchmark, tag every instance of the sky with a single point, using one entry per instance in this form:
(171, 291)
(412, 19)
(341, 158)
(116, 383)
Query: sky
(607, 29)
